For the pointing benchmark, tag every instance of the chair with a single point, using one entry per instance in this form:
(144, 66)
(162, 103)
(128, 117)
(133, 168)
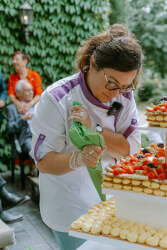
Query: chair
(18, 154)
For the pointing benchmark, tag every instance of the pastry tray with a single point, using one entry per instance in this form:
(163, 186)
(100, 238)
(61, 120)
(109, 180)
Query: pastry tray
(111, 241)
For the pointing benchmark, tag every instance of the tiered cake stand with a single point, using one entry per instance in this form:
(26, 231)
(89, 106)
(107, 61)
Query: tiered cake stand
(137, 207)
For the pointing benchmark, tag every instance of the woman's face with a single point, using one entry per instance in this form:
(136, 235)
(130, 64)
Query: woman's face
(18, 62)
(101, 83)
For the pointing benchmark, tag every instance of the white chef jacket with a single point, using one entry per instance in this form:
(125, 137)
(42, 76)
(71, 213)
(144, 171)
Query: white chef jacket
(64, 198)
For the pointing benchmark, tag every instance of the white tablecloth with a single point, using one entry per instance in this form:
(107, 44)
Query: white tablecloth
(92, 245)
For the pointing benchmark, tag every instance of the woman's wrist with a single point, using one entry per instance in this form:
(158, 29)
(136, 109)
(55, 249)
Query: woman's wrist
(76, 160)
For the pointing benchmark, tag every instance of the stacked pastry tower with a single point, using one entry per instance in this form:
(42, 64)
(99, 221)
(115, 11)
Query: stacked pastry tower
(142, 173)
(157, 114)
(138, 213)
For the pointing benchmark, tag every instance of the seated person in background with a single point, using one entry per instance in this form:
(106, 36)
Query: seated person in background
(3, 94)
(9, 200)
(19, 124)
(20, 61)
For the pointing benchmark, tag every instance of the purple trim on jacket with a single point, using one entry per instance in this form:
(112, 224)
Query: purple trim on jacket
(116, 116)
(128, 95)
(40, 139)
(88, 94)
(131, 128)
(61, 91)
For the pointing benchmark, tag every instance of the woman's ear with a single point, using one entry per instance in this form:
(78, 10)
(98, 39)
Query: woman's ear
(92, 63)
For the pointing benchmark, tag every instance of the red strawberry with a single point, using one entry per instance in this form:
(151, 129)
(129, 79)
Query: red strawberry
(161, 176)
(151, 175)
(116, 171)
(160, 170)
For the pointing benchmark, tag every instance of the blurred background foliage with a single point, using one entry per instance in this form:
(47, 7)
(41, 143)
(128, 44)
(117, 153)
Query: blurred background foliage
(59, 27)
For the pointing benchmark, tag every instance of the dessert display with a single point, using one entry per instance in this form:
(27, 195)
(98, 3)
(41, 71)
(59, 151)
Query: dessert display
(145, 172)
(157, 114)
(101, 220)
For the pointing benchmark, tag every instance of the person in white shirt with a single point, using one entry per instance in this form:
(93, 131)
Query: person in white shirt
(109, 64)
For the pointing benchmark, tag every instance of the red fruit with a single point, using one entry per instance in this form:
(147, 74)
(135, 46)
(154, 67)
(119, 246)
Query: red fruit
(115, 166)
(122, 171)
(155, 161)
(160, 152)
(145, 162)
(149, 109)
(164, 165)
(130, 170)
(151, 175)
(116, 171)
(160, 170)
(161, 176)
(157, 108)
(133, 160)
(147, 155)
(154, 171)
(145, 168)
(137, 167)
(144, 172)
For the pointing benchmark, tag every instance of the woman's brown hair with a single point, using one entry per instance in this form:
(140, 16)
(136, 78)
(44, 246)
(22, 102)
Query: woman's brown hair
(117, 49)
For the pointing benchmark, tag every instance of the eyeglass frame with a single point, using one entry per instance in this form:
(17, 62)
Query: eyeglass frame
(114, 84)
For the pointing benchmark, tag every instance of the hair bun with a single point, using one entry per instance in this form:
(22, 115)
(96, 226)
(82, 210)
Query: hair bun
(117, 30)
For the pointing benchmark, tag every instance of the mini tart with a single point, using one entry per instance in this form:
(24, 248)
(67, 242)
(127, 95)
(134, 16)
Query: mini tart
(152, 241)
(163, 242)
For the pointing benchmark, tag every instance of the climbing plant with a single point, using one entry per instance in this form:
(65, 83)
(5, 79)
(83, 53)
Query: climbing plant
(57, 30)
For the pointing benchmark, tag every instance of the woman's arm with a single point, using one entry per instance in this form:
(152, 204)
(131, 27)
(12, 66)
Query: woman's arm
(54, 163)
(117, 145)
(59, 164)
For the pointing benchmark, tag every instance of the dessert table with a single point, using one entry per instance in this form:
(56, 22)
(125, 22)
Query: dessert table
(138, 207)
(92, 245)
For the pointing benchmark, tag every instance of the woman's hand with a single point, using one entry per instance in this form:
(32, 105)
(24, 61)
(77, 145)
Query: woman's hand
(91, 154)
(80, 114)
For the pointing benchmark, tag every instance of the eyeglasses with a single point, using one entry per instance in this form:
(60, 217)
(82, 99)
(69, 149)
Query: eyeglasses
(111, 85)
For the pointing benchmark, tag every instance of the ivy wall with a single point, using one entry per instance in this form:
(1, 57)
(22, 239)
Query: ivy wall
(58, 28)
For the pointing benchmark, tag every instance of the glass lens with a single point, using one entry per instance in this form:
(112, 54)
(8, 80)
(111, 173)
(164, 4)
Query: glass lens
(122, 90)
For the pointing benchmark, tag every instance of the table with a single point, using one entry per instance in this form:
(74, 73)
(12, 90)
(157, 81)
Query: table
(92, 245)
